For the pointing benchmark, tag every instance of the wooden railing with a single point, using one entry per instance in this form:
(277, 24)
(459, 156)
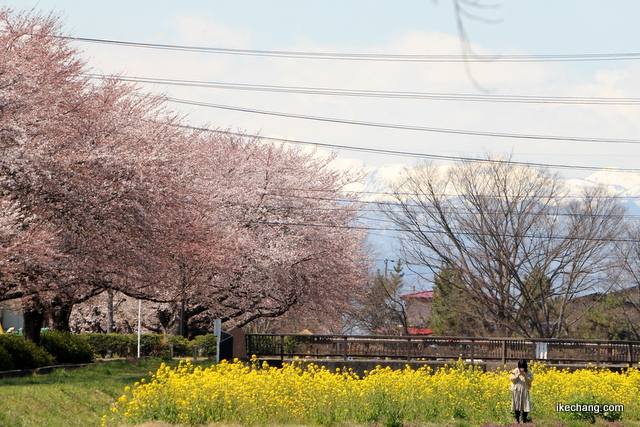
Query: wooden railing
(442, 348)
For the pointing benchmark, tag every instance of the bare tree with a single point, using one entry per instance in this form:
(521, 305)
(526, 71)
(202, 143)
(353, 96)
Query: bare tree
(519, 247)
(471, 10)
(628, 288)
(381, 310)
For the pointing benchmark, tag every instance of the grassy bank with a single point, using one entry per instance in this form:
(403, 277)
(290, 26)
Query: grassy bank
(69, 398)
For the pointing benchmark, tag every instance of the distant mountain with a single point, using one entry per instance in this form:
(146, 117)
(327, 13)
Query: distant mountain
(614, 178)
(383, 239)
(379, 180)
(623, 185)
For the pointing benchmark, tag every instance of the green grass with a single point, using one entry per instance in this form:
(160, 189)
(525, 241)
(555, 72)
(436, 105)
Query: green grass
(70, 398)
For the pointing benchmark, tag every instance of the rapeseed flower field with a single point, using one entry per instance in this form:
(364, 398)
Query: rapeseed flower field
(254, 394)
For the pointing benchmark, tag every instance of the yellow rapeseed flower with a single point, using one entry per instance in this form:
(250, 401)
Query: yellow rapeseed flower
(257, 394)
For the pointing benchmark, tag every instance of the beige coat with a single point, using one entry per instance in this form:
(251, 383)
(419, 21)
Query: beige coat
(520, 385)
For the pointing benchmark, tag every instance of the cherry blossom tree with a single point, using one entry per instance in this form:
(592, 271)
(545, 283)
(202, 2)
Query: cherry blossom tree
(297, 246)
(283, 238)
(103, 189)
(267, 233)
(39, 84)
(74, 155)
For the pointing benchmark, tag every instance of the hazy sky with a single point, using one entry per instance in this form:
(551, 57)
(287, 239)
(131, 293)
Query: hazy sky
(406, 27)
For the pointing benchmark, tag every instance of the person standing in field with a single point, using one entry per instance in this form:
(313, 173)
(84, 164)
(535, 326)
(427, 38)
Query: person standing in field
(521, 379)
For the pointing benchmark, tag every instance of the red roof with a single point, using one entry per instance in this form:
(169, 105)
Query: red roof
(425, 294)
(419, 331)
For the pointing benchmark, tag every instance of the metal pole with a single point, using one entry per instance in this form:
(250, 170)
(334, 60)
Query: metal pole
(217, 331)
(139, 324)
(386, 262)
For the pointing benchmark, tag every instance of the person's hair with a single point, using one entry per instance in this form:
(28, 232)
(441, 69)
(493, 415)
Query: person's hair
(522, 364)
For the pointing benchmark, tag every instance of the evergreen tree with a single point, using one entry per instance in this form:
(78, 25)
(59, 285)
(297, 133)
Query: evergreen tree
(381, 310)
(450, 311)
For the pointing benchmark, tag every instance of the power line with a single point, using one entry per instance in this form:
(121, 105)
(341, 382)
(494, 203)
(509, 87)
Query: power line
(427, 231)
(379, 94)
(447, 195)
(451, 210)
(375, 57)
(407, 127)
(379, 208)
(412, 154)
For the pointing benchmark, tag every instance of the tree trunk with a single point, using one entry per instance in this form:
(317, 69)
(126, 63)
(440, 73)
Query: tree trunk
(110, 323)
(33, 321)
(167, 321)
(61, 316)
(184, 327)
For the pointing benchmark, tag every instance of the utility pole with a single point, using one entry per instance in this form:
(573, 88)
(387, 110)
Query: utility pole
(386, 261)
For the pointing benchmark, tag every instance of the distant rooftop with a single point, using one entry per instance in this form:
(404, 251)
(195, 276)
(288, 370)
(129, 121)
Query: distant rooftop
(419, 331)
(424, 295)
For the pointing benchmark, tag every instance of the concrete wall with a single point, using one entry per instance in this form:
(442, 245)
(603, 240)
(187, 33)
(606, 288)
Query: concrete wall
(362, 366)
(9, 318)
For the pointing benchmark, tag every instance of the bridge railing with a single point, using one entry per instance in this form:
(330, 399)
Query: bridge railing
(442, 348)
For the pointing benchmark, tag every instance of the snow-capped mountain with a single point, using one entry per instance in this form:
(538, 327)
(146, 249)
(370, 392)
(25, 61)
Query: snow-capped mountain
(383, 239)
(623, 185)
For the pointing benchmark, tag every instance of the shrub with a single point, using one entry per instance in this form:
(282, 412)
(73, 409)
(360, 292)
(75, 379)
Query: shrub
(154, 345)
(291, 344)
(25, 354)
(112, 344)
(151, 345)
(6, 362)
(181, 346)
(207, 345)
(67, 348)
